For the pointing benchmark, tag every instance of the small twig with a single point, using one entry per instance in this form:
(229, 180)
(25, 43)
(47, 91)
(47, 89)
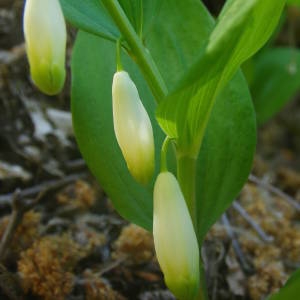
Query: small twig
(103, 269)
(13, 55)
(6, 200)
(76, 164)
(12, 225)
(265, 237)
(56, 222)
(236, 246)
(19, 208)
(215, 289)
(21, 204)
(9, 284)
(108, 267)
(275, 191)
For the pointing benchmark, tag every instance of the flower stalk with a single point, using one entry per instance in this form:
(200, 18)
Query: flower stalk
(186, 172)
(142, 56)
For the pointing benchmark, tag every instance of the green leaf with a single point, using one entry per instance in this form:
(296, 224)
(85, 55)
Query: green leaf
(93, 66)
(90, 16)
(276, 80)
(291, 289)
(242, 28)
(179, 31)
(293, 2)
(141, 13)
(133, 9)
(225, 157)
(91, 105)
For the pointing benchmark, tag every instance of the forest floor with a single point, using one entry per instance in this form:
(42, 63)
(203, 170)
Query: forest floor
(60, 237)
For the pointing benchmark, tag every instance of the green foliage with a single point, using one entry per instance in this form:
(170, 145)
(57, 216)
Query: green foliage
(291, 289)
(241, 30)
(175, 46)
(226, 155)
(229, 143)
(133, 10)
(276, 79)
(141, 13)
(93, 124)
(179, 32)
(293, 2)
(90, 16)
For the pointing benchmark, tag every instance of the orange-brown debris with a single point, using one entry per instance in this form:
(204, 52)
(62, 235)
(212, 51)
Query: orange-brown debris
(46, 268)
(134, 243)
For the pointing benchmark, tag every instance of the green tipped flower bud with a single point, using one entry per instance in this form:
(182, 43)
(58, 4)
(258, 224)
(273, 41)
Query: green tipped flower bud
(133, 128)
(174, 238)
(45, 37)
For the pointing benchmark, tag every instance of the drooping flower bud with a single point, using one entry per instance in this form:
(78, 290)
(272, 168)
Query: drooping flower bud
(174, 238)
(45, 37)
(133, 128)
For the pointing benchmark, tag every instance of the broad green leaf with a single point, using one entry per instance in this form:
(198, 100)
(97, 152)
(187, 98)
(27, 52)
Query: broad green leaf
(91, 107)
(226, 155)
(90, 16)
(134, 12)
(248, 70)
(228, 129)
(179, 31)
(276, 79)
(291, 289)
(93, 66)
(293, 2)
(242, 28)
(141, 13)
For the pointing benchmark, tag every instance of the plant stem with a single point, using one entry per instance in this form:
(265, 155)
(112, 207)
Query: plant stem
(163, 159)
(140, 54)
(186, 166)
(186, 176)
(118, 56)
(202, 294)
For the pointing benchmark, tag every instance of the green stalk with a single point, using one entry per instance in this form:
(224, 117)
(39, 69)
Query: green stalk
(186, 166)
(163, 155)
(202, 294)
(118, 56)
(186, 176)
(140, 53)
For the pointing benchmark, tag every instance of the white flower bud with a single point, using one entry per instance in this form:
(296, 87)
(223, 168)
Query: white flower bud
(174, 238)
(133, 128)
(45, 37)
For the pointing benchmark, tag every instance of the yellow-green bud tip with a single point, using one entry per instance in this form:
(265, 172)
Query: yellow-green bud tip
(174, 238)
(45, 37)
(133, 128)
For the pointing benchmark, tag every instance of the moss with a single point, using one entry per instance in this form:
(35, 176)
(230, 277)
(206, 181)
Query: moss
(134, 243)
(46, 267)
